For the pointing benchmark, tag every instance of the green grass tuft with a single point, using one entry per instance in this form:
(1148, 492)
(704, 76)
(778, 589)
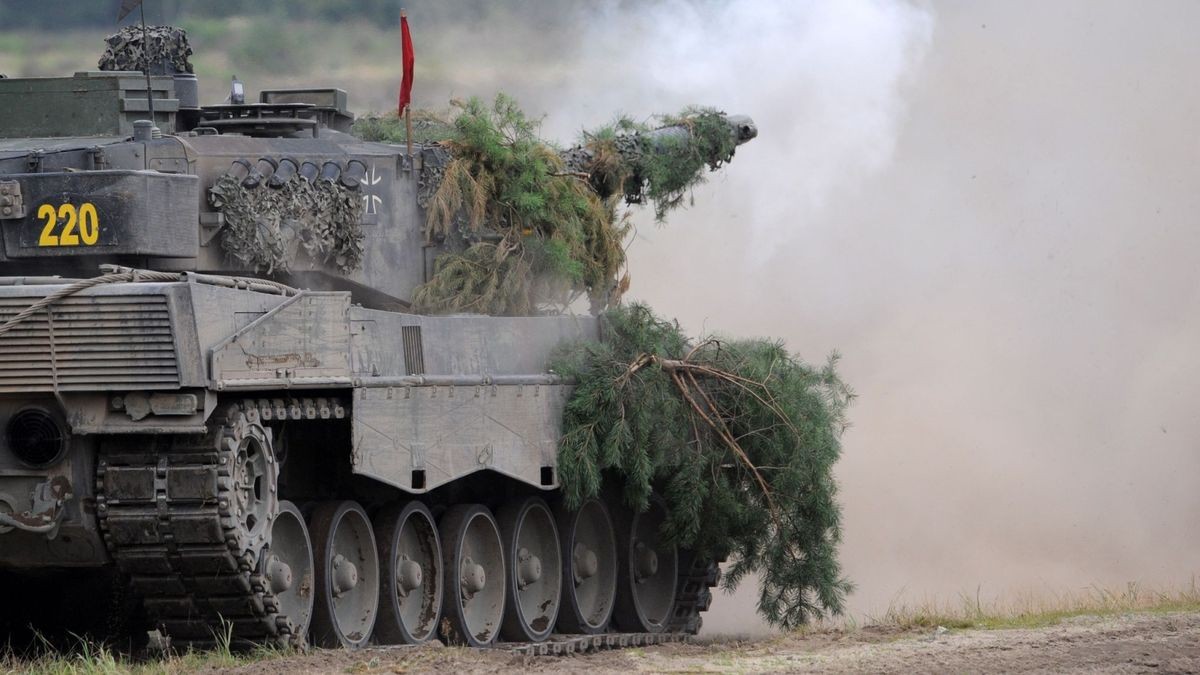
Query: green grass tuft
(1038, 610)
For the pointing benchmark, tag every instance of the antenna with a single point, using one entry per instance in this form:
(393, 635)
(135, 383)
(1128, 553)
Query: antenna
(146, 62)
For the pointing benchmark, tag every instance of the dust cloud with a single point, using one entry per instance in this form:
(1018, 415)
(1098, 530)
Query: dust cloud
(989, 209)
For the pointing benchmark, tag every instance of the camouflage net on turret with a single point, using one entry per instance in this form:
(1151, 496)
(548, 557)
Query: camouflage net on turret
(168, 50)
(265, 227)
(529, 226)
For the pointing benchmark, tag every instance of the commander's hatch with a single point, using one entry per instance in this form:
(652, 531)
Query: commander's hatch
(281, 112)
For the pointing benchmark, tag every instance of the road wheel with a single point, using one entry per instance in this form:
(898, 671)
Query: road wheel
(473, 565)
(287, 567)
(589, 580)
(347, 575)
(534, 570)
(410, 589)
(647, 576)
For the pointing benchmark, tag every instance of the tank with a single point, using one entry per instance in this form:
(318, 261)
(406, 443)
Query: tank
(222, 418)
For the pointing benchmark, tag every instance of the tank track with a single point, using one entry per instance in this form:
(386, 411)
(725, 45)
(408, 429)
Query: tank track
(693, 592)
(179, 544)
(180, 548)
(565, 645)
(693, 595)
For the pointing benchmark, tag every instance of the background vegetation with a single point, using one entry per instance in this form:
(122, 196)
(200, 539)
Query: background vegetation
(50, 14)
(273, 43)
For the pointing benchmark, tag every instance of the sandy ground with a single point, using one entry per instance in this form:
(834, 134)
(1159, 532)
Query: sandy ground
(1137, 643)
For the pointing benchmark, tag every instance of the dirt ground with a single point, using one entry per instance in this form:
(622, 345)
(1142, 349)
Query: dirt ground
(1135, 643)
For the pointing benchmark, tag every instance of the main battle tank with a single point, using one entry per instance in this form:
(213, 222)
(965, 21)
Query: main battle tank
(236, 432)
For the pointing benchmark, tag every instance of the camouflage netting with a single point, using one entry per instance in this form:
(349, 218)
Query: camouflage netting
(529, 226)
(434, 160)
(168, 50)
(527, 232)
(428, 127)
(660, 163)
(265, 227)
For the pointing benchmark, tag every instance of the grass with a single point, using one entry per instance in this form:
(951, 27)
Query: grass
(88, 657)
(1037, 610)
(970, 611)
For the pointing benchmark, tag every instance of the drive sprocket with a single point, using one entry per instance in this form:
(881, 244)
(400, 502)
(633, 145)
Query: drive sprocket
(188, 518)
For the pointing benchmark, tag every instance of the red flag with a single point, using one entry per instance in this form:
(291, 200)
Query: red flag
(407, 48)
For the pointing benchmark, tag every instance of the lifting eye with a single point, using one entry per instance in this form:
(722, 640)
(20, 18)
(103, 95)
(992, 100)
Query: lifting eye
(36, 438)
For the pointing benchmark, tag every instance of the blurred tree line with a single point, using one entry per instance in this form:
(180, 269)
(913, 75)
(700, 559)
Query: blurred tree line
(16, 14)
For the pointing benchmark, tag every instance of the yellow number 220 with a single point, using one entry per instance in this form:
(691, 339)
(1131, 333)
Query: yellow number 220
(82, 225)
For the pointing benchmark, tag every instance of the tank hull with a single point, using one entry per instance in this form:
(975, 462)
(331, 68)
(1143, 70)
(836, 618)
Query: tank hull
(155, 388)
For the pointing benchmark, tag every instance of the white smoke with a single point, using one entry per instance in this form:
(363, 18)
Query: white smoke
(990, 211)
(821, 79)
(825, 83)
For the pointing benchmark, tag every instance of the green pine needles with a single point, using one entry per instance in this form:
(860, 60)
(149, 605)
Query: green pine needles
(739, 437)
(428, 127)
(660, 163)
(526, 227)
(535, 233)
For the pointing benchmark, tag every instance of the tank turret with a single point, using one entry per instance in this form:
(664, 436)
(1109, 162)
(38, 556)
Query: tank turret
(276, 187)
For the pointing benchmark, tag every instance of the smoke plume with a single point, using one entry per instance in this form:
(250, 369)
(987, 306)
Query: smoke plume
(989, 211)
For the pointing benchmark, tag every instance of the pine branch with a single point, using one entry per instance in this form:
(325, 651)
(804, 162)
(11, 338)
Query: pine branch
(673, 429)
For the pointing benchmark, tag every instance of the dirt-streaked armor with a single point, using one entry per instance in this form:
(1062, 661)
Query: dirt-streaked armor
(220, 417)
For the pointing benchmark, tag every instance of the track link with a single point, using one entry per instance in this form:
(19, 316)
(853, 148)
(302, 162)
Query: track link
(169, 515)
(564, 645)
(693, 592)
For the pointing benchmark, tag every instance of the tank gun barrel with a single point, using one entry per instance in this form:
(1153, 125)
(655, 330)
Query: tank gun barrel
(743, 126)
(741, 129)
(626, 160)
